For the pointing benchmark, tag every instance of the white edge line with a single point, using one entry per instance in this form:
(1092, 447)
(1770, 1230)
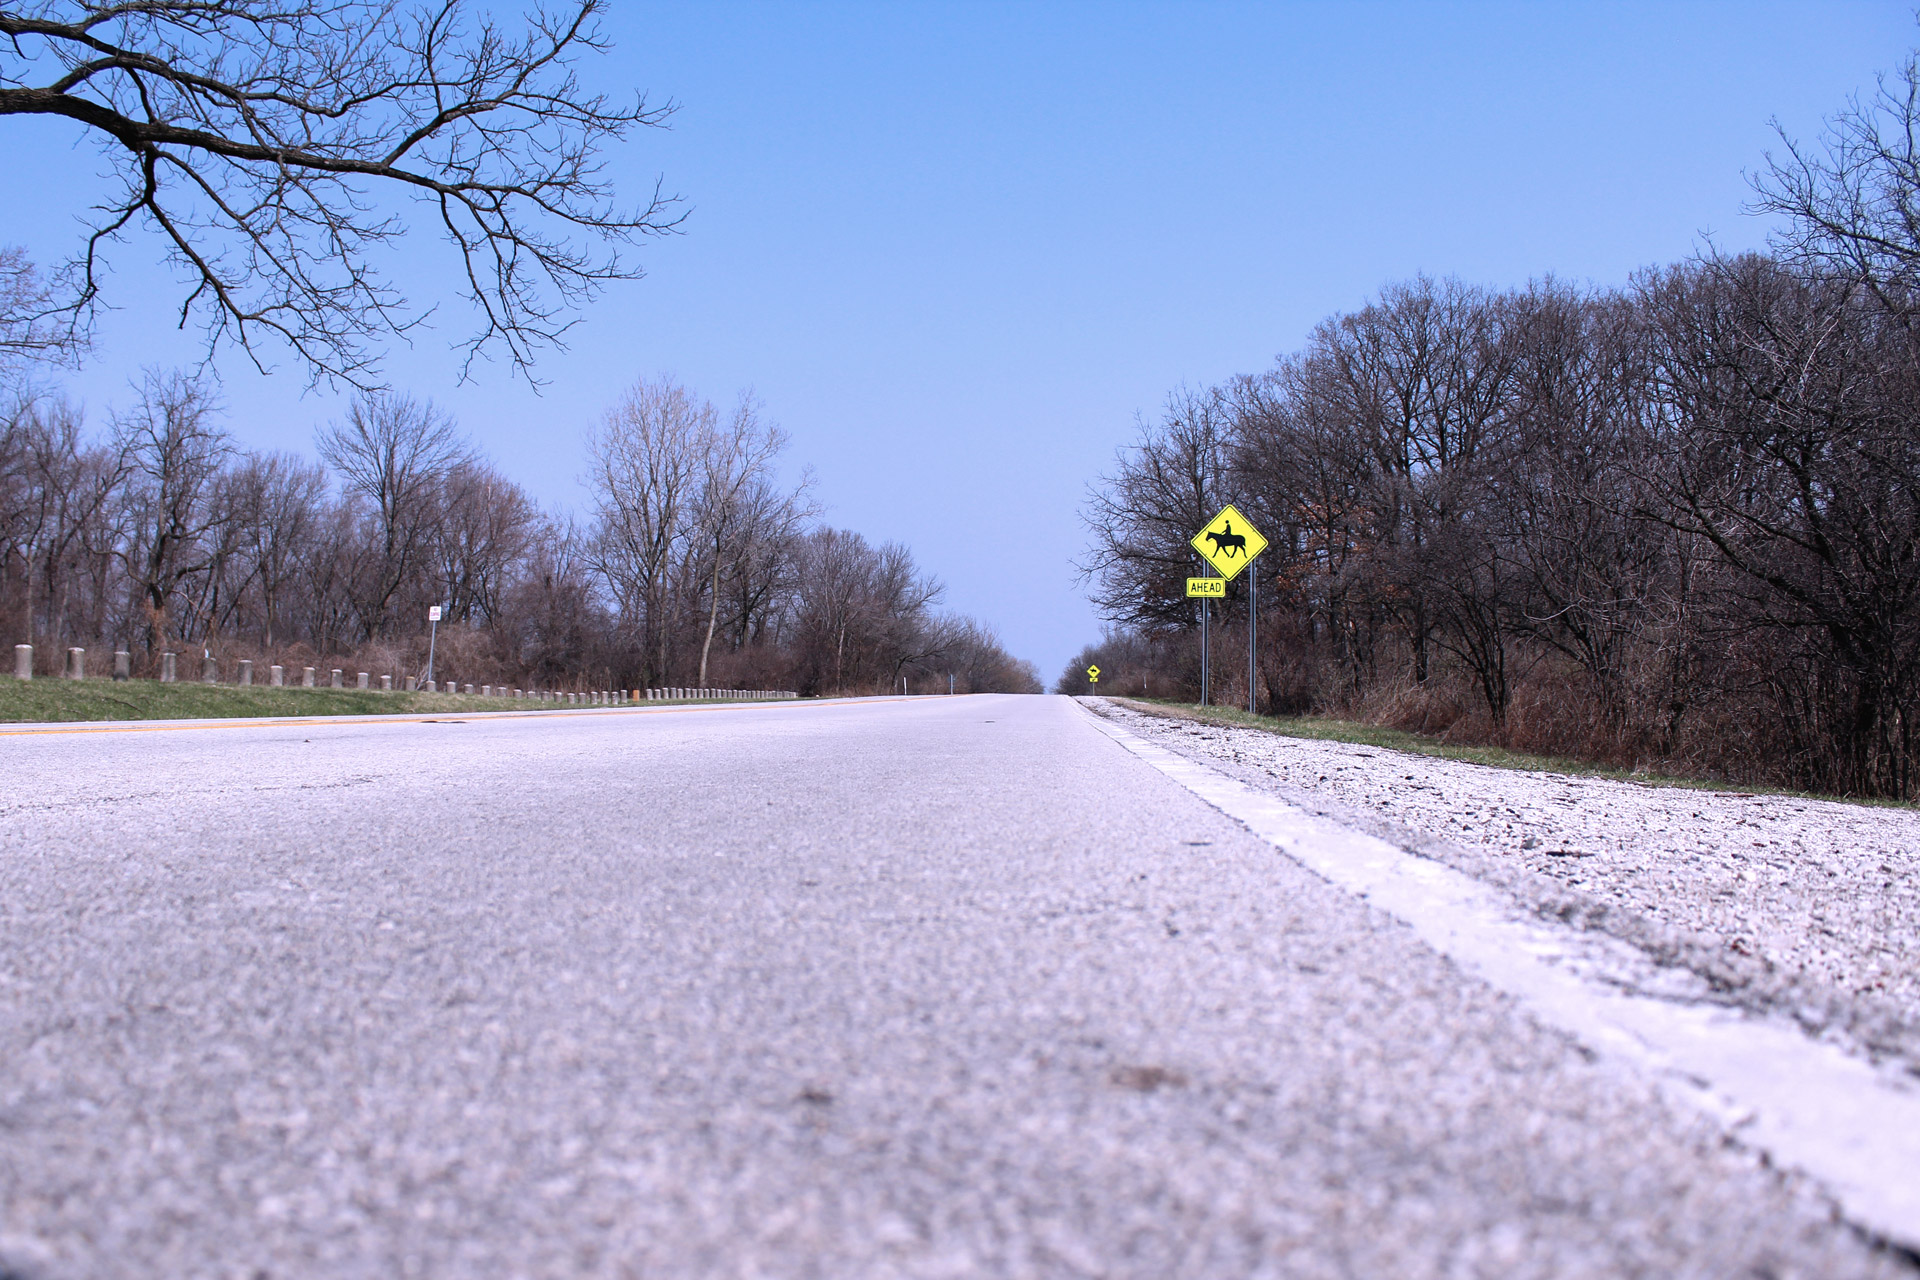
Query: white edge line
(1808, 1105)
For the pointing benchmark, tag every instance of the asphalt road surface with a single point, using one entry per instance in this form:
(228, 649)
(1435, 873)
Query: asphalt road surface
(940, 987)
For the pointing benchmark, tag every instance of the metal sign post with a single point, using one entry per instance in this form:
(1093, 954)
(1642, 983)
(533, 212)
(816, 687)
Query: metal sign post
(433, 630)
(1229, 543)
(1204, 610)
(1204, 590)
(1253, 624)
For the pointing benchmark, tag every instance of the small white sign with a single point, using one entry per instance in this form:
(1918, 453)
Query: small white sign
(433, 613)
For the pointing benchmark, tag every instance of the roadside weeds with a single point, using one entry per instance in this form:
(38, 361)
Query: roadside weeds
(1360, 733)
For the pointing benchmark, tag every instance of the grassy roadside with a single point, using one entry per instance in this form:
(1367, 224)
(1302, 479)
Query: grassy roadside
(1329, 729)
(61, 700)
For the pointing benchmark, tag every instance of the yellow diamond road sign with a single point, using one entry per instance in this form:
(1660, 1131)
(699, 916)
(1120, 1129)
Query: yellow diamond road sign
(1229, 542)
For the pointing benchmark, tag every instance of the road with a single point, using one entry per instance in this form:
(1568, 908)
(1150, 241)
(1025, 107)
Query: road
(929, 987)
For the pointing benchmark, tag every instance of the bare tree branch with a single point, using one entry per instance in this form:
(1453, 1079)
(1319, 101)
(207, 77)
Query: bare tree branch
(1852, 200)
(260, 140)
(32, 322)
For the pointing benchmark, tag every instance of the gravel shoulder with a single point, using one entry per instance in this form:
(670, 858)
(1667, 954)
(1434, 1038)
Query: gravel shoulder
(1780, 904)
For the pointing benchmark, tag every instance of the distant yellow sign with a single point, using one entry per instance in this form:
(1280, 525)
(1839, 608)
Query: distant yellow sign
(1093, 675)
(1209, 588)
(1229, 542)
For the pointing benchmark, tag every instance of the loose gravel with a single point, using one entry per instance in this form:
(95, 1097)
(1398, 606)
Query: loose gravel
(1777, 903)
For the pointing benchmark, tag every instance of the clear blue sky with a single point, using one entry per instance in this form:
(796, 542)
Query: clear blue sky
(957, 248)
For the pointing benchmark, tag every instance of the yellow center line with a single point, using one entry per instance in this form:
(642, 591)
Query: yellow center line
(424, 718)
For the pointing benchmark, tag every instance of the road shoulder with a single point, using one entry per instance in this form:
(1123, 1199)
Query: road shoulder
(1802, 1102)
(1778, 904)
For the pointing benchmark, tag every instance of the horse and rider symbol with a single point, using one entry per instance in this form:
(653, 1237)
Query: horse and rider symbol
(1226, 542)
(1229, 542)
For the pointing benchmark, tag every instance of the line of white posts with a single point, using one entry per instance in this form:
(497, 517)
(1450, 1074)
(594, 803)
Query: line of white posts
(718, 695)
(75, 668)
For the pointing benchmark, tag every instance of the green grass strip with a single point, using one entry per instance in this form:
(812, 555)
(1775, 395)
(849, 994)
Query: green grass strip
(46, 699)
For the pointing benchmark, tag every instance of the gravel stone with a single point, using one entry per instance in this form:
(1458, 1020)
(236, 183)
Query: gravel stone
(1778, 903)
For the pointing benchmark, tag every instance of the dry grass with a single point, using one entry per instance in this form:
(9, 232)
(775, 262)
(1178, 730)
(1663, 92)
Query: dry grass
(1332, 729)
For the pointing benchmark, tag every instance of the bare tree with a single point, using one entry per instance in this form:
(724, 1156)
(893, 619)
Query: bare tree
(861, 613)
(393, 451)
(551, 619)
(698, 546)
(1304, 470)
(735, 496)
(281, 503)
(765, 552)
(1852, 200)
(263, 145)
(1601, 576)
(177, 453)
(1129, 662)
(486, 525)
(647, 460)
(333, 573)
(972, 655)
(1162, 490)
(1791, 446)
(58, 508)
(31, 318)
(1693, 502)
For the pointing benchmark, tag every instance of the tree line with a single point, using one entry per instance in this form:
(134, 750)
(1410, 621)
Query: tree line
(1671, 524)
(266, 152)
(695, 566)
